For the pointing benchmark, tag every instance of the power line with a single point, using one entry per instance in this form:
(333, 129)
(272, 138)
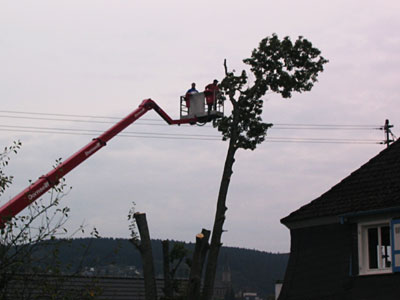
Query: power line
(327, 125)
(101, 131)
(70, 120)
(152, 135)
(322, 141)
(276, 125)
(67, 115)
(326, 128)
(59, 115)
(155, 135)
(326, 139)
(119, 135)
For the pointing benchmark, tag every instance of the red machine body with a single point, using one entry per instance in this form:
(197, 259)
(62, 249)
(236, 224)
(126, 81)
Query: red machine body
(46, 182)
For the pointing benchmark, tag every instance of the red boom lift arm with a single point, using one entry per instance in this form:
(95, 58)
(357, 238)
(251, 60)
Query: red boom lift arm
(46, 182)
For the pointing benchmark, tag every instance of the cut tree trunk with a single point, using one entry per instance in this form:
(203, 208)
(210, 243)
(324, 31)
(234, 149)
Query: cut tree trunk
(199, 255)
(144, 247)
(168, 288)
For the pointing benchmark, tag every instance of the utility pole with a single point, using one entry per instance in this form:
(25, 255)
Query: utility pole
(388, 132)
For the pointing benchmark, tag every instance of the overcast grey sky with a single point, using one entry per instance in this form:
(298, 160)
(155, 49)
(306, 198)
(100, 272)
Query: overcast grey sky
(102, 58)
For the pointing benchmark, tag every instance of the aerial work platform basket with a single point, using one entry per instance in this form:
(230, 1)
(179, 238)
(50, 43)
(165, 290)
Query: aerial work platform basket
(194, 106)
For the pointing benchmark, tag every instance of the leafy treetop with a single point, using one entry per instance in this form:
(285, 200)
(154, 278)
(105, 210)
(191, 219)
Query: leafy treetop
(280, 66)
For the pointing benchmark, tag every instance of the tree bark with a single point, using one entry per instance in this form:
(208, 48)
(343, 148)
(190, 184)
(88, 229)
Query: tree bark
(168, 288)
(196, 270)
(146, 253)
(216, 244)
(204, 249)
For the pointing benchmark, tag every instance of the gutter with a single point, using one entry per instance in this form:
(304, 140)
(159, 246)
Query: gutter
(344, 217)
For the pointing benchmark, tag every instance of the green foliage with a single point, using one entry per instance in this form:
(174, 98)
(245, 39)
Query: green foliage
(173, 286)
(177, 255)
(279, 66)
(284, 67)
(5, 180)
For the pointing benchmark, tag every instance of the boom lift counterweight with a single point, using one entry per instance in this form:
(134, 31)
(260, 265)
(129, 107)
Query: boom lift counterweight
(46, 182)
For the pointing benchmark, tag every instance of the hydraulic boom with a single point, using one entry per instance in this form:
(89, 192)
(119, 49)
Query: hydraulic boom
(46, 182)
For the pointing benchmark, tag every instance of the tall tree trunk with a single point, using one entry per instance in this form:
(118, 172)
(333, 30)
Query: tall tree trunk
(216, 244)
(146, 253)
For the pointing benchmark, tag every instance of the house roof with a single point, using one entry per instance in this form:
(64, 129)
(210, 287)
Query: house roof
(374, 186)
(39, 286)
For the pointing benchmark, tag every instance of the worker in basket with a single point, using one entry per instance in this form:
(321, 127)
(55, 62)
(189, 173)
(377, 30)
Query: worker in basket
(211, 92)
(190, 92)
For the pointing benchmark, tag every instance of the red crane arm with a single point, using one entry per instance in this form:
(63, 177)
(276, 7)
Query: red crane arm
(46, 182)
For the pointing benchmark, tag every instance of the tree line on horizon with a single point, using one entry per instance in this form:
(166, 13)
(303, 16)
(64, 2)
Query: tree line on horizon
(251, 270)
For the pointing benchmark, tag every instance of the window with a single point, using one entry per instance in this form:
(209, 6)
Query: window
(379, 250)
(379, 247)
(395, 235)
(375, 250)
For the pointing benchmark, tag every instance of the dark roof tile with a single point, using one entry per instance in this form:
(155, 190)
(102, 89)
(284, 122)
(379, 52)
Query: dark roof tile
(376, 185)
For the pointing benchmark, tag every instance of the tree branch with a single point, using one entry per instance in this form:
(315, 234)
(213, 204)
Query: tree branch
(225, 67)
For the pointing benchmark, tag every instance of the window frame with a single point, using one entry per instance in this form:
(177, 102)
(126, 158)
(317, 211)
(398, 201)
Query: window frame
(395, 242)
(363, 249)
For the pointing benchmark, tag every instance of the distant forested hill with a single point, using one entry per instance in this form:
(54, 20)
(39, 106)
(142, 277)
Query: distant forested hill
(251, 270)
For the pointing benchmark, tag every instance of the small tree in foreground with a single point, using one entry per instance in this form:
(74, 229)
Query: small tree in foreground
(280, 66)
(29, 244)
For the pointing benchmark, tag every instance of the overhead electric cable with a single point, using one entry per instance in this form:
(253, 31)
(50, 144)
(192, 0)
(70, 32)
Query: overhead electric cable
(321, 127)
(89, 119)
(101, 131)
(323, 142)
(68, 115)
(326, 125)
(119, 135)
(74, 120)
(324, 139)
(196, 137)
(276, 125)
